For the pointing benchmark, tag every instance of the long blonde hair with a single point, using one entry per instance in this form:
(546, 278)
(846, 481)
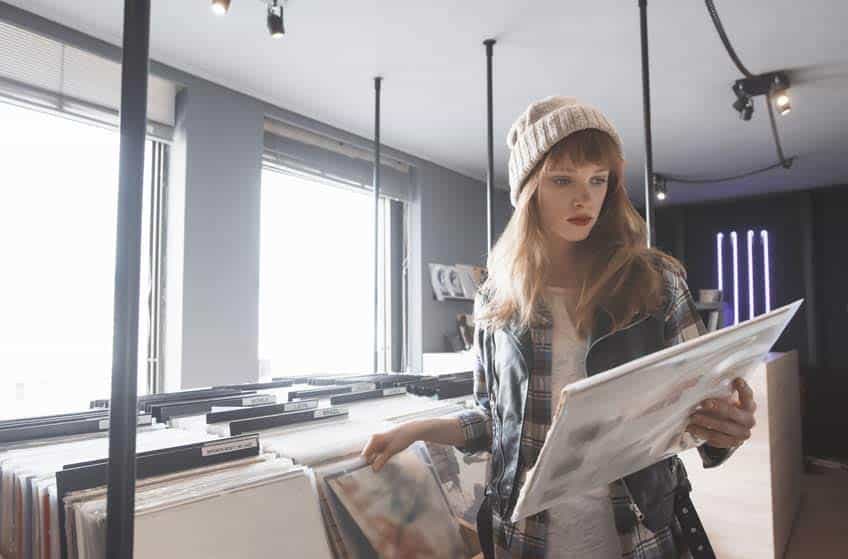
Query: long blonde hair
(618, 274)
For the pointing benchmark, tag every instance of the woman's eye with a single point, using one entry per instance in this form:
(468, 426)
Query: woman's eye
(599, 180)
(561, 181)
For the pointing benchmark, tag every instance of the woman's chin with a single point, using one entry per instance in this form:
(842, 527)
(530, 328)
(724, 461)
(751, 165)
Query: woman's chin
(574, 235)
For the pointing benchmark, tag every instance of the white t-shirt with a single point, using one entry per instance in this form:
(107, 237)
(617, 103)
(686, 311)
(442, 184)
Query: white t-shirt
(584, 526)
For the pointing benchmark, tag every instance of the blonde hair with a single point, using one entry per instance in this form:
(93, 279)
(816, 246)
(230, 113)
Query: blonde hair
(618, 274)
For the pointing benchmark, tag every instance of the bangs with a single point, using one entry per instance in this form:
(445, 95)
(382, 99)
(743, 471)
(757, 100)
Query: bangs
(589, 146)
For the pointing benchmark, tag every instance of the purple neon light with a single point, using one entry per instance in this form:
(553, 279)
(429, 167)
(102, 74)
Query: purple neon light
(720, 261)
(767, 275)
(735, 246)
(750, 274)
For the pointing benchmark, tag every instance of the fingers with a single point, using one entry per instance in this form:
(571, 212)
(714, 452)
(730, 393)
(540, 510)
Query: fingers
(736, 430)
(726, 411)
(373, 447)
(746, 395)
(380, 461)
(713, 438)
(377, 451)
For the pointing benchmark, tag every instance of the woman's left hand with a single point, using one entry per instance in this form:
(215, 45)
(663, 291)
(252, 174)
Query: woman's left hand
(723, 423)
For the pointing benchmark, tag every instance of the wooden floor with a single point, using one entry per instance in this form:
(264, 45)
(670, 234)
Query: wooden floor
(821, 529)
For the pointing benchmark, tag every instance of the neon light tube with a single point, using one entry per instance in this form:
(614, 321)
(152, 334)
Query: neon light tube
(735, 247)
(720, 261)
(767, 271)
(750, 274)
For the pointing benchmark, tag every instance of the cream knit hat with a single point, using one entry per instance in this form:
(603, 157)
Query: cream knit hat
(541, 126)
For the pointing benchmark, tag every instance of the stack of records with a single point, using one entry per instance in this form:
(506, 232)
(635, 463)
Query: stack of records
(29, 501)
(263, 418)
(57, 426)
(444, 386)
(312, 445)
(250, 508)
(379, 380)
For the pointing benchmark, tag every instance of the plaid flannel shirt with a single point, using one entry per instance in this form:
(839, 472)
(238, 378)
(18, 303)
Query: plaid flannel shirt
(527, 538)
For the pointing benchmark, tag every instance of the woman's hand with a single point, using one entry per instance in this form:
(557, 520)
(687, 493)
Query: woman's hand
(382, 446)
(722, 423)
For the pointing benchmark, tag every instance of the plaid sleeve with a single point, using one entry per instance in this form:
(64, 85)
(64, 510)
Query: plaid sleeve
(683, 323)
(476, 422)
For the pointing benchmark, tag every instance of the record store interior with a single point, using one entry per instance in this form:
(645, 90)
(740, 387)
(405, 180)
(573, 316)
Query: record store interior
(327, 279)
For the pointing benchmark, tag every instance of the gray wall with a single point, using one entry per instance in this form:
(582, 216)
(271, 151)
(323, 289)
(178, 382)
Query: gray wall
(453, 231)
(212, 272)
(218, 151)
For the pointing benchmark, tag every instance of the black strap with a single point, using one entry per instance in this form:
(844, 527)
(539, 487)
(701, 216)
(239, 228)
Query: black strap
(484, 528)
(693, 531)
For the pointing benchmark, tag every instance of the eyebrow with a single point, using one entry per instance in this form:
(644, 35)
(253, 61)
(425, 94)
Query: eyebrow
(597, 170)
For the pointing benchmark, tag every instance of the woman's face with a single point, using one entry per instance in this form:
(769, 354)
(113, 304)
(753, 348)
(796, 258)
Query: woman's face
(570, 199)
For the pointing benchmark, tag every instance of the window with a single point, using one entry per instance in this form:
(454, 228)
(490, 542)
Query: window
(58, 214)
(316, 295)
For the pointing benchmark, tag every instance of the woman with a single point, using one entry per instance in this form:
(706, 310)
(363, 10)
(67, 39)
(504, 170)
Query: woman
(572, 290)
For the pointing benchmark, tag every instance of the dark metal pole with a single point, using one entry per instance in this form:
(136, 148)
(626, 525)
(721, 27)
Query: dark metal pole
(120, 505)
(490, 170)
(377, 83)
(646, 104)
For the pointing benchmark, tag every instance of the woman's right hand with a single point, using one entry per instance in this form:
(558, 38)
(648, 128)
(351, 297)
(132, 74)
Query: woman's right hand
(382, 446)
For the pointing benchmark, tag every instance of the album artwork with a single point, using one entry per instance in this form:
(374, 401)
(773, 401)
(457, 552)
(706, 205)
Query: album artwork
(401, 509)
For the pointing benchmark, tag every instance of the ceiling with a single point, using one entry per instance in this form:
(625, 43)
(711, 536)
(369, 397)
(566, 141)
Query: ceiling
(432, 60)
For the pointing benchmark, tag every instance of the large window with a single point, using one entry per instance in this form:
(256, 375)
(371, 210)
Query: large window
(58, 213)
(316, 310)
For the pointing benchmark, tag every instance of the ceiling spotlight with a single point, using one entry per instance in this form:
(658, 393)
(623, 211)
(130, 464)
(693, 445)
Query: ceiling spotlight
(220, 7)
(275, 19)
(782, 102)
(780, 93)
(660, 188)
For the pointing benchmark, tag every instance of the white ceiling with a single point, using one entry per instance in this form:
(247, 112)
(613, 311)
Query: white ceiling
(432, 60)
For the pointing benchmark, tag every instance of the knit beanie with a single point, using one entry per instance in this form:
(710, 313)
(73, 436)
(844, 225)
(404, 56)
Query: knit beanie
(541, 126)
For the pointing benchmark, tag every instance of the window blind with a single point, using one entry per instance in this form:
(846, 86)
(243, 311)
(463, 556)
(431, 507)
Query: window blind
(307, 152)
(40, 71)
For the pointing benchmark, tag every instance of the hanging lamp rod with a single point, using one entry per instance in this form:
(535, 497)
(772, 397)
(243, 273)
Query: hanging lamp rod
(490, 149)
(377, 90)
(120, 497)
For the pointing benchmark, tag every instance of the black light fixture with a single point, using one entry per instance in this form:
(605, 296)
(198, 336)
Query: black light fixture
(660, 188)
(774, 85)
(743, 105)
(220, 7)
(275, 19)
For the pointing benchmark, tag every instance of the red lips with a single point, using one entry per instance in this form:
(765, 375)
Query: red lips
(580, 220)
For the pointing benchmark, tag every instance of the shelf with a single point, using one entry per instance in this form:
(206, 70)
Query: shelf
(454, 298)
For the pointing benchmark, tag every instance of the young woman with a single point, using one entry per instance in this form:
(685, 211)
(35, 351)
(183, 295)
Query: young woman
(573, 291)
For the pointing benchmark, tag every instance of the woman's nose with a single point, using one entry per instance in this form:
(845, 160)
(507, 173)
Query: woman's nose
(582, 195)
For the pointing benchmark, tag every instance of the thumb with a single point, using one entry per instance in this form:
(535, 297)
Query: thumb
(374, 445)
(381, 460)
(746, 395)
